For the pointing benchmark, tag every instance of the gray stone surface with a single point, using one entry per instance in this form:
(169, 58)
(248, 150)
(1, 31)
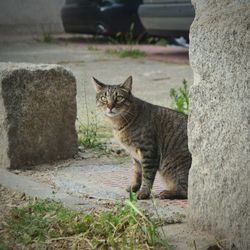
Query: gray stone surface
(218, 129)
(33, 188)
(37, 114)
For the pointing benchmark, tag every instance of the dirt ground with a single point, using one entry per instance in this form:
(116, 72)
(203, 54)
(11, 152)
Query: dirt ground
(10, 198)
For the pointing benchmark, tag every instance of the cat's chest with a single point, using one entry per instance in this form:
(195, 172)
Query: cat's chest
(130, 144)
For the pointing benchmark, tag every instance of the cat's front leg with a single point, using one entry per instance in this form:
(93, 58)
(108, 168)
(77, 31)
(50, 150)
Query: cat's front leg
(137, 177)
(149, 169)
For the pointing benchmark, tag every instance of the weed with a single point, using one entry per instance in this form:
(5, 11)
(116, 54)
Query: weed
(88, 134)
(156, 41)
(131, 39)
(46, 224)
(180, 98)
(47, 38)
(127, 37)
(3, 246)
(92, 48)
(131, 52)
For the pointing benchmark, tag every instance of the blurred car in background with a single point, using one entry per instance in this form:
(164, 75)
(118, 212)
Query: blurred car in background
(167, 18)
(106, 17)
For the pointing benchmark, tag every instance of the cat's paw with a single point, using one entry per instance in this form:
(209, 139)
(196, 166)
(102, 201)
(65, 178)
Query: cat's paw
(133, 188)
(142, 195)
(165, 194)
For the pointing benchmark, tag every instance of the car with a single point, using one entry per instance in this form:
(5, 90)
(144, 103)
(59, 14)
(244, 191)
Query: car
(105, 17)
(167, 18)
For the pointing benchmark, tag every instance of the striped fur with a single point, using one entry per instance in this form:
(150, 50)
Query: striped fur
(155, 137)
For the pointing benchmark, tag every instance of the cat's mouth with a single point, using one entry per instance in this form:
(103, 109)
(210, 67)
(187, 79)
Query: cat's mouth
(112, 114)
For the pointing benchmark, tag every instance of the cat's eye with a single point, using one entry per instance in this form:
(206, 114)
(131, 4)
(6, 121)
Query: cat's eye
(103, 98)
(119, 98)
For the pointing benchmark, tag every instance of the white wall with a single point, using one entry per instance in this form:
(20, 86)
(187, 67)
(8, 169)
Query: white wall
(30, 16)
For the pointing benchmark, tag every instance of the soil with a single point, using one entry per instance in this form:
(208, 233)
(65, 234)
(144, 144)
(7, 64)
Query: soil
(9, 199)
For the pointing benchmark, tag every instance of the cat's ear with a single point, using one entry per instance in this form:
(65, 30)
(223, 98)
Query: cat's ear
(97, 84)
(127, 84)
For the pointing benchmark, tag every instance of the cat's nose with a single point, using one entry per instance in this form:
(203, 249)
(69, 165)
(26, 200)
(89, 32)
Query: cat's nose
(110, 106)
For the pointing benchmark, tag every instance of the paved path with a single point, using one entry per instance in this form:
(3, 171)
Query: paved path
(148, 75)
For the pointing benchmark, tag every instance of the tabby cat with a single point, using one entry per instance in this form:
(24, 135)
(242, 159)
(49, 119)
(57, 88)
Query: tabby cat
(155, 136)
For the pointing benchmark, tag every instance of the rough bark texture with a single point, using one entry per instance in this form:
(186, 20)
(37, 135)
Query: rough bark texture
(37, 114)
(218, 128)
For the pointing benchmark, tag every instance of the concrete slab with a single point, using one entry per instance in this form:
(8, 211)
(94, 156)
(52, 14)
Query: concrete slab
(33, 188)
(95, 182)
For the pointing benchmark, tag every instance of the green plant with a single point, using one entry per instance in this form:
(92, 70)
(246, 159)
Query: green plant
(30, 223)
(92, 48)
(150, 228)
(47, 38)
(126, 37)
(3, 246)
(88, 133)
(156, 41)
(131, 52)
(180, 98)
(46, 224)
(130, 38)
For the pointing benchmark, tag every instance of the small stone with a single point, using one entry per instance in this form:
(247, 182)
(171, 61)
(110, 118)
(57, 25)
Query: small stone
(81, 149)
(77, 157)
(16, 172)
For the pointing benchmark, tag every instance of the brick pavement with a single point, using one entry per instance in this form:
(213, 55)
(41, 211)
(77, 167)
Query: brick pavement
(120, 178)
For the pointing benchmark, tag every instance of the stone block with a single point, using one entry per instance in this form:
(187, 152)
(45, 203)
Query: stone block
(37, 114)
(219, 120)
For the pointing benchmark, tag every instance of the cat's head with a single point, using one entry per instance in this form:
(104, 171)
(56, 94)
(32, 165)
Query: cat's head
(113, 100)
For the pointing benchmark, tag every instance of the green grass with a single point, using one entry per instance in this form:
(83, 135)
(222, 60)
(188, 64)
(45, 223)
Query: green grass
(131, 38)
(126, 37)
(44, 223)
(92, 48)
(131, 52)
(180, 98)
(88, 136)
(87, 132)
(47, 38)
